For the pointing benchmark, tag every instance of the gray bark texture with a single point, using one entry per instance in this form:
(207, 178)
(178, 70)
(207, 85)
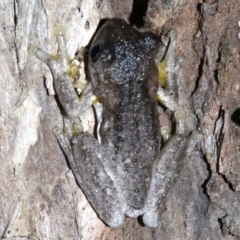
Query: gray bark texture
(39, 197)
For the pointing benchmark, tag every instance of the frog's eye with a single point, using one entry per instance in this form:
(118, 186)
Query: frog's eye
(95, 52)
(151, 35)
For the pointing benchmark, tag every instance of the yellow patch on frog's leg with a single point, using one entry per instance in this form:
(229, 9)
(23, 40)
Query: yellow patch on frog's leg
(167, 92)
(162, 73)
(71, 66)
(164, 64)
(74, 66)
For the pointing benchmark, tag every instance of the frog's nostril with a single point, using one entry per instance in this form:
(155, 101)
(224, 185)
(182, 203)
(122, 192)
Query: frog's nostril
(95, 52)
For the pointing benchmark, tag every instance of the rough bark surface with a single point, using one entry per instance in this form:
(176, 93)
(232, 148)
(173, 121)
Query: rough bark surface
(39, 197)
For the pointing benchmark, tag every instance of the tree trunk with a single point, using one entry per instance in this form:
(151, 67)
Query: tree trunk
(39, 197)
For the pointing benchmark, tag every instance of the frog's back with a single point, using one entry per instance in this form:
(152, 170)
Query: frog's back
(125, 79)
(136, 140)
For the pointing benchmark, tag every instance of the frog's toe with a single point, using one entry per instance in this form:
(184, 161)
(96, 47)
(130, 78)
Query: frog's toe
(77, 127)
(32, 48)
(35, 50)
(59, 30)
(165, 132)
(179, 117)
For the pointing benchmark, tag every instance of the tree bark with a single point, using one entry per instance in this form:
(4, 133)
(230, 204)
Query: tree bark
(39, 197)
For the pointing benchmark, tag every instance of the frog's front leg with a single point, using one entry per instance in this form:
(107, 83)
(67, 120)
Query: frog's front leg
(167, 167)
(63, 69)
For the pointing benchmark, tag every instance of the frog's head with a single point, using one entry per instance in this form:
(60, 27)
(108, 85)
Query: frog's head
(120, 54)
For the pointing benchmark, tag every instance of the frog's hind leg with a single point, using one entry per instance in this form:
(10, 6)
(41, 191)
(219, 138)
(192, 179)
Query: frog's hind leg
(167, 167)
(96, 175)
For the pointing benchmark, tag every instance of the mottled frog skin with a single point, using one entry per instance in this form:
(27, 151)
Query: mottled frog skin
(123, 69)
(124, 172)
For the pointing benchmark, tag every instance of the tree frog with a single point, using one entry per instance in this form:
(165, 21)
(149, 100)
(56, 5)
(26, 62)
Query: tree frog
(124, 172)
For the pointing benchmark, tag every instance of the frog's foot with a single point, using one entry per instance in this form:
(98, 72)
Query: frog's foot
(179, 118)
(64, 71)
(64, 145)
(168, 68)
(59, 62)
(71, 127)
(180, 129)
(167, 168)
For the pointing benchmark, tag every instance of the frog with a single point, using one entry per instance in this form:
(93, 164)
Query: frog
(131, 165)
